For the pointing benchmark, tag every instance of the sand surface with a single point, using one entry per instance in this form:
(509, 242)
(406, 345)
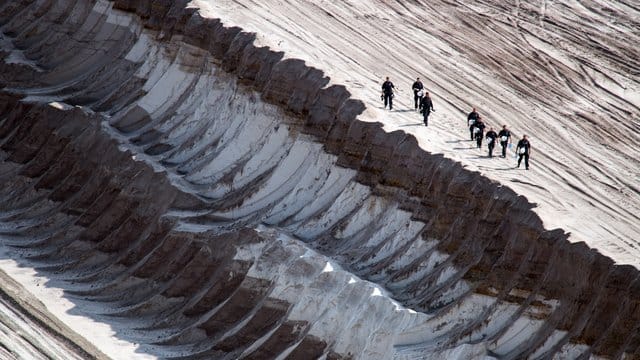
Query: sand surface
(161, 206)
(565, 73)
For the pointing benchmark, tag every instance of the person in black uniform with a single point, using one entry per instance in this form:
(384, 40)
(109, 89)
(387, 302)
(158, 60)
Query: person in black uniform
(505, 138)
(492, 137)
(426, 107)
(387, 93)
(523, 150)
(417, 94)
(471, 120)
(478, 131)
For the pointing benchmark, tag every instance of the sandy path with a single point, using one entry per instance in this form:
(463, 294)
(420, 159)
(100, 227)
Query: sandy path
(565, 73)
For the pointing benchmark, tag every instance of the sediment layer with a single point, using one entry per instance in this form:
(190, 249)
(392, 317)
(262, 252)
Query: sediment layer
(212, 199)
(29, 331)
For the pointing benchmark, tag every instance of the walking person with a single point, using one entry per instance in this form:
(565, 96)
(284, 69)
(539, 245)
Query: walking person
(417, 92)
(523, 149)
(471, 120)
(387, 93)
(478, 131)
(426, 107)
(492, 137)
(505, 139)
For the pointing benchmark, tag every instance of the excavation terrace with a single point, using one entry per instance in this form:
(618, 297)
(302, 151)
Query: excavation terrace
(209, 198)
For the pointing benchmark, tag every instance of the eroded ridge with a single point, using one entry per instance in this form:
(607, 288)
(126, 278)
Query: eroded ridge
(211, 200)
(29, 331)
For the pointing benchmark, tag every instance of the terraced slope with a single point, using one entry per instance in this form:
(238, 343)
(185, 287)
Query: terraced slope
(208, 198)
(564, 72)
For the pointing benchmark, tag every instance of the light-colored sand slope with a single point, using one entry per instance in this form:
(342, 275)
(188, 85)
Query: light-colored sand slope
(566, 73)
(204, 197)
(29, 331)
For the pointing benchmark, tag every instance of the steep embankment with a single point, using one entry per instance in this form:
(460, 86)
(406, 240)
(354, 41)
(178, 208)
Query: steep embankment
(29, 331)
(565, 73)
(209, 199)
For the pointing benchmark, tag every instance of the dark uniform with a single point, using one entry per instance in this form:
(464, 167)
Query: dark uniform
(523, 149)
(387, 92)
(417, 86)
(426, 106)
(504, 136)
(471, 120)
(491, 138)
(478, 132)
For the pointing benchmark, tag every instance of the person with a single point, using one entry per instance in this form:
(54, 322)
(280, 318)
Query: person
(491, 138)
(417, 93)
(387, 93)
(523, 149)
(505, 139)
(478, 131)
(426, 107)
(471, 120)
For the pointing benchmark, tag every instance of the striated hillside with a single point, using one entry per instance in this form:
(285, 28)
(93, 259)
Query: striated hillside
(218, 181)
(565, 73)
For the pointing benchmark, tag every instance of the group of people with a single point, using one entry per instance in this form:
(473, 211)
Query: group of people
(476, 132)
(421, 98)
(423, 103)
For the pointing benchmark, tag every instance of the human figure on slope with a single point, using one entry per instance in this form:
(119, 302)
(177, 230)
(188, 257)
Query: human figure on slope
(387, 93)
(492, 137)
(471, 120)
(523, 149)
(418, 92)
(426, 107)
(505, 139)
(478, 131)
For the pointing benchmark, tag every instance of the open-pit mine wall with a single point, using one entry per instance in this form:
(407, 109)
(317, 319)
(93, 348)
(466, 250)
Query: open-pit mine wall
(209, 199)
